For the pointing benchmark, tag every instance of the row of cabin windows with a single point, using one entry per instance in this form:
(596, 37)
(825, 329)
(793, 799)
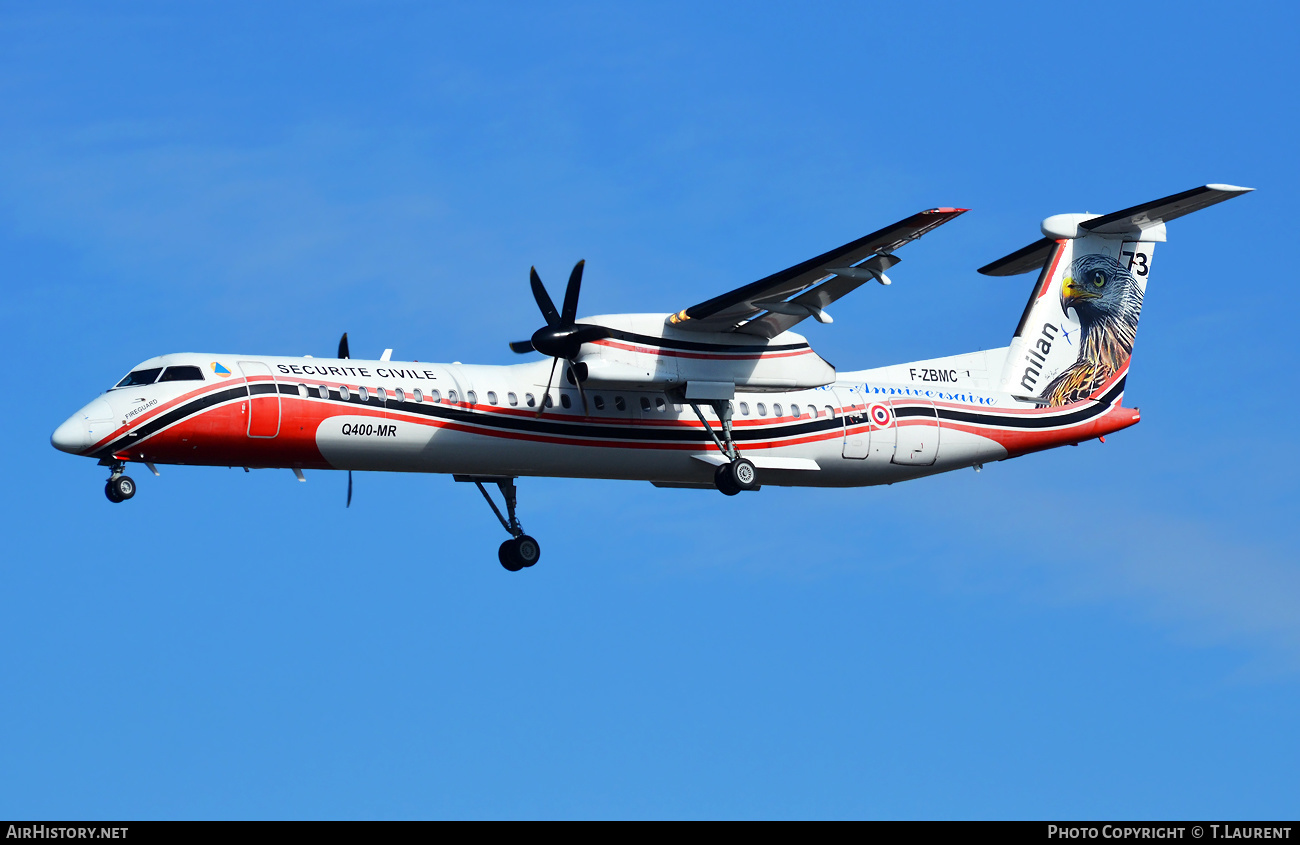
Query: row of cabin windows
(796, 410)
(657, 404)
(648, 405)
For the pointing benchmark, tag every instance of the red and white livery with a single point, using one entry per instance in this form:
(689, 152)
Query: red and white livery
(722, 394)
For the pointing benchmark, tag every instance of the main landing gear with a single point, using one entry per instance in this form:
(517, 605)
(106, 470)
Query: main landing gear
(119, 487)
(520, 550)
(738, 473)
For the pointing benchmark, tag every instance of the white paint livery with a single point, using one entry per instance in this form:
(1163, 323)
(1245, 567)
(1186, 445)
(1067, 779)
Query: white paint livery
(722, 394)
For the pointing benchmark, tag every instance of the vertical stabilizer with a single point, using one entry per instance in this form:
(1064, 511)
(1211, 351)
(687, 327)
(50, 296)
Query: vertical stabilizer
(1075, 338)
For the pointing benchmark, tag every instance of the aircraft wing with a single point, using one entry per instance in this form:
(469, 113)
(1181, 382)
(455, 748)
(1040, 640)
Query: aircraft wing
(739, 310)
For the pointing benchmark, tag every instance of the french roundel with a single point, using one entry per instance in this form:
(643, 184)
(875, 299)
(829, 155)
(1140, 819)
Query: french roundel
(880, 415)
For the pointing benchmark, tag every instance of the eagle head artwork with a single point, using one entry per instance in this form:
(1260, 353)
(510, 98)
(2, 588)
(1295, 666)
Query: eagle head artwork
(1108, 301)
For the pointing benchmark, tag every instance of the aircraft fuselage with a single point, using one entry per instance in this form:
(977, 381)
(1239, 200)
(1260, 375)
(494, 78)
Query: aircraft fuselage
(869, 427)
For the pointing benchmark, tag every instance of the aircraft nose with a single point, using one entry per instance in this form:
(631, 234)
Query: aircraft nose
(83, 428)
(71, 436)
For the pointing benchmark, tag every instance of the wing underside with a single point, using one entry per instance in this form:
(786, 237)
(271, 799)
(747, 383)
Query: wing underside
(813, 284)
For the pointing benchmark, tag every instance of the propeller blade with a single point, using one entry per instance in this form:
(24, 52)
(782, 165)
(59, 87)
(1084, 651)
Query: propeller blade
(343, 346)
(543, 298)
(582, 394)
(349, 504)
(522, 346)
(541, 405)
(570, 312)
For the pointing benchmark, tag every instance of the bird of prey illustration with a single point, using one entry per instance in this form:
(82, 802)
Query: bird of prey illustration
(1108, 301)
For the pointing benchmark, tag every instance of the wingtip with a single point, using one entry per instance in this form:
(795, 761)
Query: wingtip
(1231, 189)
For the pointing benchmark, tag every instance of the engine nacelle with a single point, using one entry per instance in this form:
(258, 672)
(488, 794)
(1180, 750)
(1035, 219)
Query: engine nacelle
(645, 351)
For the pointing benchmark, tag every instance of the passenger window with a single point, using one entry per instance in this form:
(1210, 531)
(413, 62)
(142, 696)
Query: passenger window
(364, 394)
(419, 395)
(471, 397)
(619, 403)
(598, 401)
(830, 412)
(794, 411)
(776, 409)
(302, 391)
(512, 399)
(812, 411)
(182, 374)
(645, 403)
(140, 377)
(549, 402)
(659, 404)
(400, 394)
(452, 397)
(762, 409)
(744, 409)
(529, 400)
(565, 400)
(324, 391)
(435, 396)
(492, 397)
(343, 393)
(382, 394)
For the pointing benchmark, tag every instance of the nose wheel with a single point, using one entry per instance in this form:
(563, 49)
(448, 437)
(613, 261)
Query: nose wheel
(520, 551)
(119, 487)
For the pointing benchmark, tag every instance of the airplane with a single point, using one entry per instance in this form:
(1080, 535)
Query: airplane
(722, 394)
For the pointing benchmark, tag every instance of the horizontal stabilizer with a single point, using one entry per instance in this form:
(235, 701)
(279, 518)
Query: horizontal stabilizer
(1154, 213)
(1023, 260)
(1130, 221)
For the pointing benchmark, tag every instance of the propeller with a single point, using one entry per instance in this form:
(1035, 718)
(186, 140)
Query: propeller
(562, 337)
(343, 346)
(349, 504)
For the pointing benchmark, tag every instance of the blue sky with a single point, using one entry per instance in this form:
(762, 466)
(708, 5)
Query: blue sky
(1106, 631)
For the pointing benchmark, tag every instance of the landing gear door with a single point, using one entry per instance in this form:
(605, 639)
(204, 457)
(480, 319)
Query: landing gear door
(856, 424)
(263, 404)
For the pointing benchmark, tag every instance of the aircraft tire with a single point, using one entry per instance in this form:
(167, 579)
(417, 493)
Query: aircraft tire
(506, 554)
(743, 474)
(120, 489)
(723, 481)
(527, 550)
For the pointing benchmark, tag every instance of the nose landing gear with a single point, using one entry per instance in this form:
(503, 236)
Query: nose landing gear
(520, 550)
(119, 487)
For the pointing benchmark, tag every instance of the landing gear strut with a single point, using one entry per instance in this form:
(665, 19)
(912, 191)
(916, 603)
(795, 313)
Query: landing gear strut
(520, 550)
(119, 487)
(739, 473)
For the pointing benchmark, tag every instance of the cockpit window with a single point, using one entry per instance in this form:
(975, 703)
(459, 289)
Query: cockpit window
(138, 377)
(182, 374)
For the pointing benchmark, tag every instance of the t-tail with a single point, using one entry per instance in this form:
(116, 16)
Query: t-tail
(1075, 338)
